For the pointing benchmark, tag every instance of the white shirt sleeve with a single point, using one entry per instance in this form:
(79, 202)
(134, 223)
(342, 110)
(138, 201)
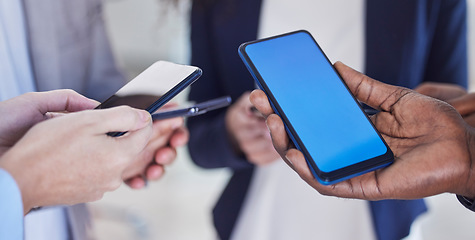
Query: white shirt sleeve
(11, 208)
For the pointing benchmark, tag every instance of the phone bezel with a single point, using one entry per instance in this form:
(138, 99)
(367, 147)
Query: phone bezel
(175, 91)
(322, 176)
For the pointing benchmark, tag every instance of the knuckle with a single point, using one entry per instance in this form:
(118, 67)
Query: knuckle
(69, 92)
(32, 96)
(126, 111)
(88, 118)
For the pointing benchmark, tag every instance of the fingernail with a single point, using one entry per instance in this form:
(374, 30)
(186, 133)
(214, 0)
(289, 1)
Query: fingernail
(288, 159)
(145, 116)
(267, 125)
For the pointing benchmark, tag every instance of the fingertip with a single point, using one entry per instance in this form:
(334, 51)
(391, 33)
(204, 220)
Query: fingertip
(300, 164)
(254, 94)
(345, 71)
(144, 119)
(165, 156)
(338, 64)
(291, 155)
(145, 116)
(341, 67)
(259, 99)
(136, 183)
(76, 101)
(273, 122)
(154, 172)
(123, 118)
(61, 100)
(179, 138)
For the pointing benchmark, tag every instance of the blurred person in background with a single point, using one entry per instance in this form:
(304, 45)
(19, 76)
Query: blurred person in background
(53, 44)
(406, 43)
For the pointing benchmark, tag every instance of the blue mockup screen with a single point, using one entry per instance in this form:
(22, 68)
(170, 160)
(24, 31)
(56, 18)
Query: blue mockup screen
(318, 106)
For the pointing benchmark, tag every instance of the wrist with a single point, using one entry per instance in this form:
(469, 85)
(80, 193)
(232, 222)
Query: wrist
(470, 185)
(22, 180)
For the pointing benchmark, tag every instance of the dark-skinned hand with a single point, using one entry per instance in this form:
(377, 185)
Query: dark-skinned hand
(432, 144)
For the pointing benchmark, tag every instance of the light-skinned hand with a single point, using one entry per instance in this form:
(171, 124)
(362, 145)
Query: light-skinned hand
(432, 144)
(69, 159)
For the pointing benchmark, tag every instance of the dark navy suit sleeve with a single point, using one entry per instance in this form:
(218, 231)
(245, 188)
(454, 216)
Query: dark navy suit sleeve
(447, 61)
(409, 42)
(209, 144)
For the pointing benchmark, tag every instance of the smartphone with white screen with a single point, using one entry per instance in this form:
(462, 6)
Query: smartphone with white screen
(154, 87)
(321, 116)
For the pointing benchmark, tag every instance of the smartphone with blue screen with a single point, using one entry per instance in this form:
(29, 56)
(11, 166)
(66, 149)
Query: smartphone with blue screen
(322, 118)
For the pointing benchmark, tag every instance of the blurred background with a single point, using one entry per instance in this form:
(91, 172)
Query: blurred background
(179, 205)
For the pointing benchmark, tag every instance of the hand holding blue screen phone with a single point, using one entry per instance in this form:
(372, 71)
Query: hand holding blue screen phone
(321, 116)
